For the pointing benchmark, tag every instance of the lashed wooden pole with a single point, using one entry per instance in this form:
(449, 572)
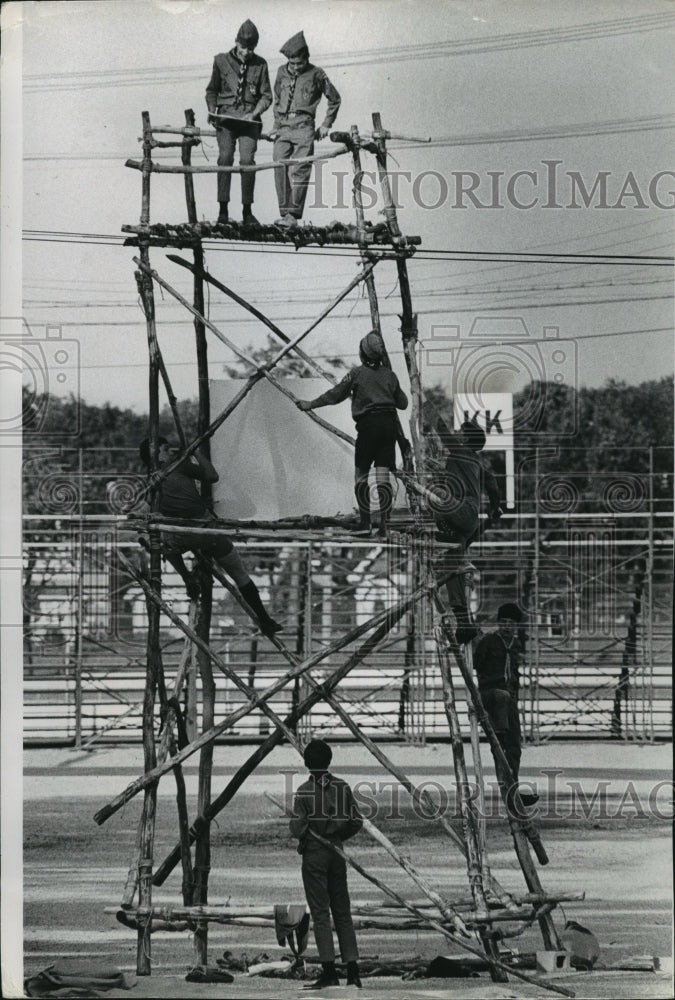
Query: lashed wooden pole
(408, 318)
(202, 865)
(153, 662)
(213, 168)
(473, 853)
(164, 748)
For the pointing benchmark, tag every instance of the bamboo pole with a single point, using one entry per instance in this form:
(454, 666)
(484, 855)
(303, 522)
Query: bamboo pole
(323, 372)
(213, 168)
(240, 354)
(258, 699)
(498, 965)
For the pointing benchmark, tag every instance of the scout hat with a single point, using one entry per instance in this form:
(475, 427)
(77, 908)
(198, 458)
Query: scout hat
(248, 34)
(294, 46)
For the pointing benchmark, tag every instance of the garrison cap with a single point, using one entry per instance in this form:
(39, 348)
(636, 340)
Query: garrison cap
(294, 46)
(248, 33)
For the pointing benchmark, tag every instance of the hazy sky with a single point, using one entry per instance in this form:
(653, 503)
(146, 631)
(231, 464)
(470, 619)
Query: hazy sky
(507, 86)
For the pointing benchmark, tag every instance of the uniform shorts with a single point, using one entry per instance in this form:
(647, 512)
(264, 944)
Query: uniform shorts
(376, 440)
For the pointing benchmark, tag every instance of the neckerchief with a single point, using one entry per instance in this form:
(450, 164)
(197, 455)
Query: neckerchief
(507, 665)
(241, 82)
(294, 80)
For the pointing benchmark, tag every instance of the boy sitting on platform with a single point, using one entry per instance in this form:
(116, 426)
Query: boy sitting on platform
(179, 497)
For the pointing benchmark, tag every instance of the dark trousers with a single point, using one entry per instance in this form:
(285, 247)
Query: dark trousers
(294, 141)
(247, 135)
(324, 876)
(501, 705)
(460, 526)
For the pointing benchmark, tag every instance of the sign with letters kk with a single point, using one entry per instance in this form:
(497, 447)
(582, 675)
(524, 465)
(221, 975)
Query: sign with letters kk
(493, 411)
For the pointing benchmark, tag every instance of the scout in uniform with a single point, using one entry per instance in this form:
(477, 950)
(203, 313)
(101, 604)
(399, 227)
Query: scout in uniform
(298, 88)
(376, 395)
(458, 517)
(496, 660)
(239, 88)
(179, 497)
(325, 804)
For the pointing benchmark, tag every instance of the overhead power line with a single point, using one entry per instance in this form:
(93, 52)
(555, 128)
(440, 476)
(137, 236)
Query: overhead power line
(162, 75)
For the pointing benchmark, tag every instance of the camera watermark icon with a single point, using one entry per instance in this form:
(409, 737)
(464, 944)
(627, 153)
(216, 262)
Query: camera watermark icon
(500, 356)
(48, 367)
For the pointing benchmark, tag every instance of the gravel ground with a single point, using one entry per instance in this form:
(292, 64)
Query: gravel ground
(618, 853)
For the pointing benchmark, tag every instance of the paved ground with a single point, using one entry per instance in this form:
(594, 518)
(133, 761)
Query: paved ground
(616, 849)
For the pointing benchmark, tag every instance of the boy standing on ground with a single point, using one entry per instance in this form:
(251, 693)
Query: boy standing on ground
(298, 88)
(496, 660)
(239, 88)
(376, 395)
(179, 497)
(325, 804)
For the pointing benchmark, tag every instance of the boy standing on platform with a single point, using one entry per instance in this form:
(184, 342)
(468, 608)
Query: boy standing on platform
(298, 88)
(325, 804)
(240, 89)
(376, 395)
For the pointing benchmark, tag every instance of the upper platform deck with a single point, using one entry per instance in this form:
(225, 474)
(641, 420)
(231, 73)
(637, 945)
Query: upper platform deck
(186, 234)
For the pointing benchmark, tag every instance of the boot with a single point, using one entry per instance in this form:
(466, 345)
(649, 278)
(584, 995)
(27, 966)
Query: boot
(385, 502)
(248, 218)
(328, 977)
(251, 595)
(466, 631)
(223, 215)
(353, 978)
(361, 491)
